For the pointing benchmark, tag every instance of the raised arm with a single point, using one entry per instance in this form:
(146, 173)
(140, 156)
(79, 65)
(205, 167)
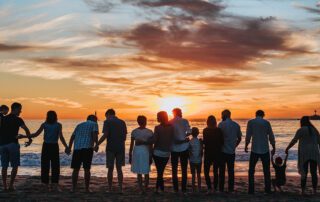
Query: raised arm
(39, 131)
(297, 136)
(26, 129)
(286, 159)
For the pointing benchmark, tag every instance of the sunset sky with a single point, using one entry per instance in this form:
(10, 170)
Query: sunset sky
(142, 56)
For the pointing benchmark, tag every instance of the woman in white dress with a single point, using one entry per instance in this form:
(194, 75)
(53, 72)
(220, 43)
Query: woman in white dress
(139, 154)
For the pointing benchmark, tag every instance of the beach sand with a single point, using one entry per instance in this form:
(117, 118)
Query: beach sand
(29, 188)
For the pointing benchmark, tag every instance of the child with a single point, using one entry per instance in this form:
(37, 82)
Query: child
(195, 149)
(140, 157)
(280, 170)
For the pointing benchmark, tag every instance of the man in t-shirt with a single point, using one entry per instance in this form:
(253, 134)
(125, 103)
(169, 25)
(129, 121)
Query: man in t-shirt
(10, 148)
(115, 131)
(180, 149)
(84, 137)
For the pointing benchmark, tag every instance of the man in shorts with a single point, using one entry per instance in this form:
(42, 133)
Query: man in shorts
(115, 131)
(10, 148)
(83, 137)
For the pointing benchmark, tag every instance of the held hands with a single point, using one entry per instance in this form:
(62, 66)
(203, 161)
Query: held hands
(287, 151)
(96, 148)
(67, 151)
(27, 144)
(273, 151)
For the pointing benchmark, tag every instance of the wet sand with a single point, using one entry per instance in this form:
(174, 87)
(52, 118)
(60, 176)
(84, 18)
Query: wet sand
(29, 188)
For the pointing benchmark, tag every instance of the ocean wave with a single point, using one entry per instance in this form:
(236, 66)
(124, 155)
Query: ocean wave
(34, 159)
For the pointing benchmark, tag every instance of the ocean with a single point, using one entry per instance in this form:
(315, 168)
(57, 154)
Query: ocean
(284, 131)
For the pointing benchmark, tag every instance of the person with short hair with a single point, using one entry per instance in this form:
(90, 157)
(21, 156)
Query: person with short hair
(140, 155)
(84, 137)
(195, 158)
(260, 131)
(115, 132)
(50, 149)
(280, 169)
(180, 149)
(232, 136)
(10, 148)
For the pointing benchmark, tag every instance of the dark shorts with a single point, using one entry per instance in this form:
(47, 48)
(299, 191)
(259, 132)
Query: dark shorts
(10, 153)
(278, 182)
(84, 157)
(119, 157)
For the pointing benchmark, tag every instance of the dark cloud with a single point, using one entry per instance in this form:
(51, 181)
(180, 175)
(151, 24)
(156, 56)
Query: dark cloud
(310, 9)
(219, 80)
(100, 6)
(202, 36)
(10, 47)
(77, 64)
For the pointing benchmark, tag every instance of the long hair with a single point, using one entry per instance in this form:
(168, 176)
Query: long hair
(305, 121)
(212, 122)
(162, 117)
(51, 117)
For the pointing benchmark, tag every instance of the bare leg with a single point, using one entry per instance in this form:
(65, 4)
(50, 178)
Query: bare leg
(75, 175)
(87, 176)
(110, 178)
(120, 176)
(4, 178)
(274, 185)
(13, 177)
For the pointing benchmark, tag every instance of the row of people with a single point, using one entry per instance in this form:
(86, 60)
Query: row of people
(169, 140)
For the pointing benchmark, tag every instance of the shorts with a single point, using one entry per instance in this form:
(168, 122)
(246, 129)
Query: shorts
(82, 156)
(10, 153)
(118, 156)
(278, 182)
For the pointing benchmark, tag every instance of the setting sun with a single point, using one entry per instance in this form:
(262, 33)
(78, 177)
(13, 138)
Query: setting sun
(169, 103)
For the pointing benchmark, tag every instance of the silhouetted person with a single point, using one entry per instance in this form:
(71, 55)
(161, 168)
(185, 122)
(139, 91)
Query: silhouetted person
(10, 148)
(260, 131)
(115, 131)
(196, 151)
(4, 110)
(163, 138)
(180, 149)
(140, 155)
(280, 169)
(84, 137)
(50, 149)
(308, 152)
(213, 143)
(232, 138)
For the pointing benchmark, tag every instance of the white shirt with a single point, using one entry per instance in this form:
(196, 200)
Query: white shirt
(181, 129)
(195, 150)
(231, 134)
(261, 133)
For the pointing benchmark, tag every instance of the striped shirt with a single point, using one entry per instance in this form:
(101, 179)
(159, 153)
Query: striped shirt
(83, 135)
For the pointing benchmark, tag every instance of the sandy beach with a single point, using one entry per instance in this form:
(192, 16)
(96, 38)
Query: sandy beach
(28, 188)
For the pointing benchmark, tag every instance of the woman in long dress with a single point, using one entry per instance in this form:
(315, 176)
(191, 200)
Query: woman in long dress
(140, 155)
(308, 152)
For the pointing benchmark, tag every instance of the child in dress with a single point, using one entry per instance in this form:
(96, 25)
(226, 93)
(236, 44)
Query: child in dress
(140, 154)
(195, 149)
(280, 170)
